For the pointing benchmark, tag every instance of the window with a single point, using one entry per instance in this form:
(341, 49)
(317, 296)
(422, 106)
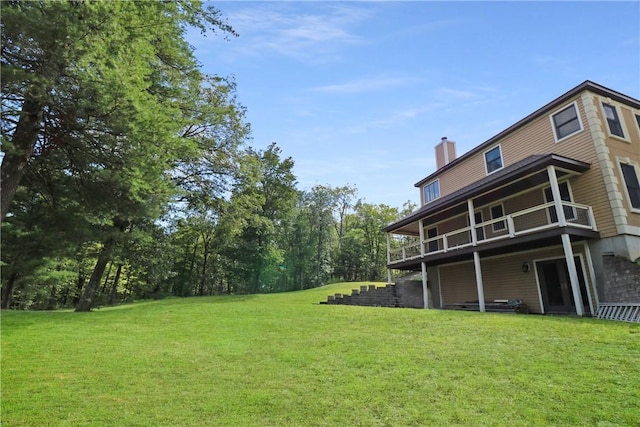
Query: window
(565, 195)
(431, 191)
(493, 159)
(638, 120)
(613, 120)
(566, 122)
(477, 218)
(432, 246)
(633, 185)
(497, 211)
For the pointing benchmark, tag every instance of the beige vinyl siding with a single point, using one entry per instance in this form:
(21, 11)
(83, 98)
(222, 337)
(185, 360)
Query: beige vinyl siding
(458, 283)
(537, 138)
(503, 278)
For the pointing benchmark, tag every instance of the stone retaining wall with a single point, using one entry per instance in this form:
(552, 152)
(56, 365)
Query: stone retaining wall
(622, 280)
(406, 294)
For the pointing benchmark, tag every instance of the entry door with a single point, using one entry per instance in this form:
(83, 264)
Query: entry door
(555, 285)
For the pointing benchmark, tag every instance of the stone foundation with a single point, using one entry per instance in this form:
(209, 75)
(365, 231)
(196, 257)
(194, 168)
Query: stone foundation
(622, 280)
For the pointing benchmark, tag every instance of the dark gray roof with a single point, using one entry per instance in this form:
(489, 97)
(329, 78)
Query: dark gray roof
(510, 173)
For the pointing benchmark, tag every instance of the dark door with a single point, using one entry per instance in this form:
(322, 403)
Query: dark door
(555, 285)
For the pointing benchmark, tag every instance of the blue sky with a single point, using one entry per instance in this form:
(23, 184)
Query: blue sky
(360, 92)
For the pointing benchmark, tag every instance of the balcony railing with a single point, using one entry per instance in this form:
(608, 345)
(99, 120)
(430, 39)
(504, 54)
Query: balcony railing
(537, 218)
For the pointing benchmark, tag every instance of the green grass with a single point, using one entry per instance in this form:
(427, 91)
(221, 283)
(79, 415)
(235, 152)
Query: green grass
(285, 360)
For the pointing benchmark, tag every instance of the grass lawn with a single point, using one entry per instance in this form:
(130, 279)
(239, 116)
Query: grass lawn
(285, 360)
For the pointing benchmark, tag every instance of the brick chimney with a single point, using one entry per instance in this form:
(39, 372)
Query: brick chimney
(445, 152)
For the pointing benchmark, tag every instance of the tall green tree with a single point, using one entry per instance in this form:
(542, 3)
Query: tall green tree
(70, 66)
(98, 98)
(262, 200)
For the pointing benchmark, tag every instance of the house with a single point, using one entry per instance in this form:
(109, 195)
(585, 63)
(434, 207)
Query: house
(545, 213)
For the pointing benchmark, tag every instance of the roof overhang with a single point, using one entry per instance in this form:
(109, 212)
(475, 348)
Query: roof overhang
(526, 168)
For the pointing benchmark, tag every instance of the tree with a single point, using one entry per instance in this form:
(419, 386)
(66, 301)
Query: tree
(98, 109)
(262, 200)
(94, 68)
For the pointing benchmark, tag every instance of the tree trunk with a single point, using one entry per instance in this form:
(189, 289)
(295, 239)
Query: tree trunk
(106, 279)
(114, 286)
(86, 299)
(205, 258)
(51, 303)
(82, 278)
(16, 159)
(7, 291)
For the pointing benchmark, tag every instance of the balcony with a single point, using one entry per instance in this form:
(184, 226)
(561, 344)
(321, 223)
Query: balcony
(536, 219)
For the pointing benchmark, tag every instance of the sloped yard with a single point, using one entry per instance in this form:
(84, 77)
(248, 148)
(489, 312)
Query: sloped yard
(286, 360)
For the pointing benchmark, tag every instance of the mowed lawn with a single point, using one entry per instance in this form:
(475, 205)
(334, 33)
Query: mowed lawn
(285, 360)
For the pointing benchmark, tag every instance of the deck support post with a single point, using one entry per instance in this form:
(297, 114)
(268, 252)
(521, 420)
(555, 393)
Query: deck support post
(421, 225)
(472, 222)
(566, 241)
(425, 290)
(557, 199)
(573, 274)
(594, 301)
(476, 263)
(388, 258)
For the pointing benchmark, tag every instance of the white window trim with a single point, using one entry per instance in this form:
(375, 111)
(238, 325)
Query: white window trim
(623, 183)
(553, 125)
(424, 196)
(605, 122)
(484, 159)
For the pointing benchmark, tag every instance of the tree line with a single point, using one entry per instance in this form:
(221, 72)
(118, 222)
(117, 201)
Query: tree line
(127, 173)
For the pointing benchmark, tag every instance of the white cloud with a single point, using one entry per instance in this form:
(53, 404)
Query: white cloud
(309, 34)
(367, 84)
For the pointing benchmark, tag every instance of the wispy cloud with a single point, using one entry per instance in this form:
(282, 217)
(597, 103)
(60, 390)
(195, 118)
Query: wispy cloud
(470, 94)
(306, 34)
(367, 84)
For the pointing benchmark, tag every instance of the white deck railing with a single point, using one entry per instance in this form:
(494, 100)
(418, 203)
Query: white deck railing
(531, 220)
(625, 312)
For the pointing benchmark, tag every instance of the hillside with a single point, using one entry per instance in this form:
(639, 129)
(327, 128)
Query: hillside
(284, 359)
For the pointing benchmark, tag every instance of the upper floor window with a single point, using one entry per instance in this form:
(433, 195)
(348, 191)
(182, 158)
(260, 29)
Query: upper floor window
(431, 191)
(638, 120)
(632, 183)
(613, 120)
(493, 159)
(566, 122)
